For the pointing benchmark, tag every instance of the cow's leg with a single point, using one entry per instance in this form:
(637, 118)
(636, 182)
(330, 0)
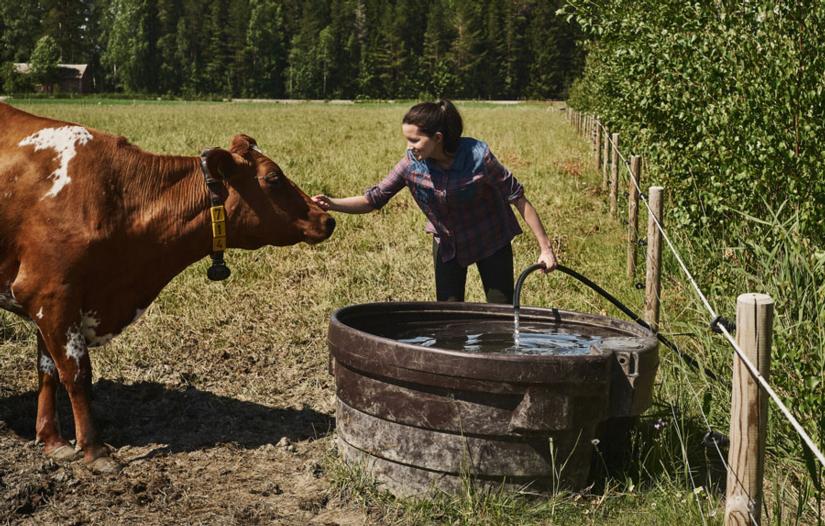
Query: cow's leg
(47, 427)
(68, 348)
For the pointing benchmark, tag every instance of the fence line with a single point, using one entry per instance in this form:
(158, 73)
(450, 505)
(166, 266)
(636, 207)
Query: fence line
(751, 368)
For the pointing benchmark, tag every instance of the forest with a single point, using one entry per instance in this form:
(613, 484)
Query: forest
(320, 49)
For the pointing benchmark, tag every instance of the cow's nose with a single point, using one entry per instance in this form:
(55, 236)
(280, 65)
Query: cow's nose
(330, 225)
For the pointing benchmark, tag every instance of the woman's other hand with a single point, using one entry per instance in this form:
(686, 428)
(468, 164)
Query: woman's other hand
(548, 259)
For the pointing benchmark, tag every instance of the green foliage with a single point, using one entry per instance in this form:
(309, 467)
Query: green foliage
(44, 60)
(724, 100)
(128, 51)
(14, 82)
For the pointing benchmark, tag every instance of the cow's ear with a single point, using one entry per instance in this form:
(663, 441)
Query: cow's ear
(223, 164)
(242, 144)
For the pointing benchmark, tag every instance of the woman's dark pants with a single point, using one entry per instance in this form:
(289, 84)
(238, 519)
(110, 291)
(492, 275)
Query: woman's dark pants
(496, 276)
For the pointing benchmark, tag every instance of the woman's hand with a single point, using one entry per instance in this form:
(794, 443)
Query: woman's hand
(323, 201)
(548, 259)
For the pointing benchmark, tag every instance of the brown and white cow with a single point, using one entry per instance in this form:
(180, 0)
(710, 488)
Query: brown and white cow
(92, 228)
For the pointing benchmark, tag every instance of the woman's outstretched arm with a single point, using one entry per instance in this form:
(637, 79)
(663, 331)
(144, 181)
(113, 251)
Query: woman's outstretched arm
(357, 204)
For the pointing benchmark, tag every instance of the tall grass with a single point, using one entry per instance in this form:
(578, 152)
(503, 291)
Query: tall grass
(261, 335)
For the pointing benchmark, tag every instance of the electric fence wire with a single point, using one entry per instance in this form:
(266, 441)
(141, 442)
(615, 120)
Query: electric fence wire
(754, 372)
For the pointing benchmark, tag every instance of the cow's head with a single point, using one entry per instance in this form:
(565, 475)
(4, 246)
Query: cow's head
(263, 206)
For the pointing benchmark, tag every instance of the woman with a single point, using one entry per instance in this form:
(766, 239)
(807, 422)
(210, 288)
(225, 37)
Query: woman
(466, 195)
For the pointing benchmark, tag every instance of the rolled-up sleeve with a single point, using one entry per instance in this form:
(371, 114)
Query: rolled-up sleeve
(502, 178)
(379, 194)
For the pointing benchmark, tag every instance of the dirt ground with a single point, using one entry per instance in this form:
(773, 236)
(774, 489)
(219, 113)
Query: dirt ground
(189, 456)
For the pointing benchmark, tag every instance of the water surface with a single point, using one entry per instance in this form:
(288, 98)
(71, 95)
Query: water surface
(476, 336)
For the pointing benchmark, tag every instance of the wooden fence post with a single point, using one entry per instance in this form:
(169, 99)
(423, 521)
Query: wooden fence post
(606, 160)
(654, 257)
(614, 175)
(633, 185)
(597, 141)
(748, 411)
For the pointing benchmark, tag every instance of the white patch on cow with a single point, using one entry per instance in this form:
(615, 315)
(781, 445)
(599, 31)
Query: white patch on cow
(47, 365)
(254, 147)
(88, 325)
(75, 346)
(40, 314)
(63, 141)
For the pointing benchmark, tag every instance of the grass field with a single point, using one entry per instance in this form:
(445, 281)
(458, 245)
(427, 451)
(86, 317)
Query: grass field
(195, 395)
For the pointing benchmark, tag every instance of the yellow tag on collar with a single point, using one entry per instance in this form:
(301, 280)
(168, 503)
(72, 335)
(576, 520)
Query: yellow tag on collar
(218, 214)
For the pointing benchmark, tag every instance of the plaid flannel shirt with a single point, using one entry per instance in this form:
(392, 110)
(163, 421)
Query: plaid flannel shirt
(467, 205)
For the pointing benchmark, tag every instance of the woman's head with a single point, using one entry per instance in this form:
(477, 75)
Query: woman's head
(434, 118)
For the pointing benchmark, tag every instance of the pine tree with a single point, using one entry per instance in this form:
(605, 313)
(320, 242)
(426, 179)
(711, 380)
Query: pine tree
(515, 59)
(170, 69)
(467, 52)
(305, 77)
(545, 74)
(265, 51)
(495, 42)
(440, 79)
(217, 53)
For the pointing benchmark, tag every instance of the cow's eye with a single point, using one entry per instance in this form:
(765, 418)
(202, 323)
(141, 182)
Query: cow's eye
(273, 179)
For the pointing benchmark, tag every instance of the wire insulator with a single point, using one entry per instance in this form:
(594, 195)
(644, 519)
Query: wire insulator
(729, 325)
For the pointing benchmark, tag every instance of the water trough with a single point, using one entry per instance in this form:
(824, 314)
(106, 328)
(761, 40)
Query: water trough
(422, 402)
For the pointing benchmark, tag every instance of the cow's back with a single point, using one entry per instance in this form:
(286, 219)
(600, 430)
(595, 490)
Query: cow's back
(55, 184)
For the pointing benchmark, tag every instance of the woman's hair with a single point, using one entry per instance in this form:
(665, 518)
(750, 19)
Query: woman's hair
(434, 117)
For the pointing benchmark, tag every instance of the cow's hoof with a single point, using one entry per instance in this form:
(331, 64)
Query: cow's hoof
(64, 454)
(104, 465)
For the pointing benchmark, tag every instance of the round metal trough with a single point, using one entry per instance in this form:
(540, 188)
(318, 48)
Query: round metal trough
(421, 417)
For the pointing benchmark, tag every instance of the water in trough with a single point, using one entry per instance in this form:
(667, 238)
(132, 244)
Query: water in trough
(499, 337)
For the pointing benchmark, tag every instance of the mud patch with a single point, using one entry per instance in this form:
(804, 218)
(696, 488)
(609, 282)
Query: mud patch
(189, 456)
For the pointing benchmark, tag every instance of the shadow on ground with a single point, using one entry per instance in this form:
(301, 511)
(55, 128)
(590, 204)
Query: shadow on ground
(183, 419)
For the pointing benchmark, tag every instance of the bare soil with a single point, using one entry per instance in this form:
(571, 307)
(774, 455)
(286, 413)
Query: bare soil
(189, 456)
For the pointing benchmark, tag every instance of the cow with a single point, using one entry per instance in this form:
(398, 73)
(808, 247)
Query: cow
(92, 228)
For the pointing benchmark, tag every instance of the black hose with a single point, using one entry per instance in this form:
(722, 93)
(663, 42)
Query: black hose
(690, 360)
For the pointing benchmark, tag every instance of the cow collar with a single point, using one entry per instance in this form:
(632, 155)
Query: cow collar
(218, 271)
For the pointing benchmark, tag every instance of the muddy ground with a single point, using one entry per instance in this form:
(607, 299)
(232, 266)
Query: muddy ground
(189, 456)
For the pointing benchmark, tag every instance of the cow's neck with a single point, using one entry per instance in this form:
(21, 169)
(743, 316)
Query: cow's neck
(173, 209)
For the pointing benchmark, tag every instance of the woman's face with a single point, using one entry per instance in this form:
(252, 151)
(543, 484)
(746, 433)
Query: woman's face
(422, 145)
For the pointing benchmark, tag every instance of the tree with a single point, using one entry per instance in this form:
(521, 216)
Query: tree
(44, 62)
(19, 29)
(218, 54)
(545, 74)
(128, 53)
(467, 51)
(304, 72)
(265, 51)
(66, 21)
(441, 79)
(170, 69)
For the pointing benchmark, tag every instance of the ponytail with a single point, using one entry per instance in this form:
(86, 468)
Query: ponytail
(434, 117)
